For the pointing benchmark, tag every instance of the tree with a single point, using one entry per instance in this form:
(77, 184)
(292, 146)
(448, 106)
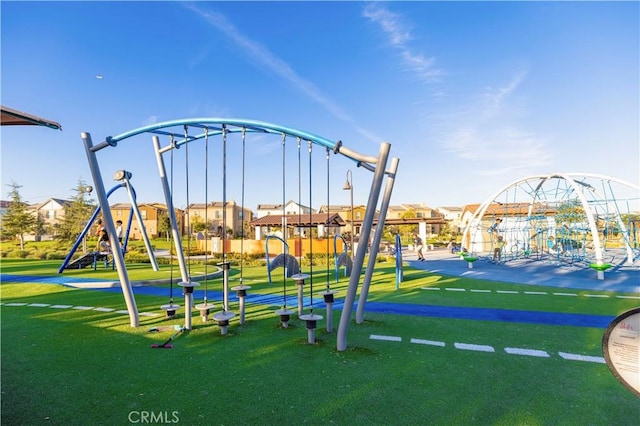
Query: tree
(76, 214)
(18, 220)
(198, 225)
(406, 230)
(164, 225)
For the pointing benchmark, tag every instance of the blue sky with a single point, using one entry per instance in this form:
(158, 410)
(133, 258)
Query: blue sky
(471, 95)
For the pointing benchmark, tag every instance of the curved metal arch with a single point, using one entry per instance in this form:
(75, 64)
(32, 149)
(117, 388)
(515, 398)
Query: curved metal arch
(237, 124)
(266, 249)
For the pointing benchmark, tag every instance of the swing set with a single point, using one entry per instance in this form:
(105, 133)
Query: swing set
(93, 257)
(180, 134)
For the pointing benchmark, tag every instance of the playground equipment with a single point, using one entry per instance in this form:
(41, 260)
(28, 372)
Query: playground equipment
(398, 255)
(342, 259)
(375, 243)
(93, 257)
(167, 343)
(177, 132)
(284, 259)
(241, 289)
(563, 218)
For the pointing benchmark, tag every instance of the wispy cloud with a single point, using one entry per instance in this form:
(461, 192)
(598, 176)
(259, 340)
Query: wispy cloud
(488, 132)
(399, 35)
(269, 60)
(496, 97)
(152, 119)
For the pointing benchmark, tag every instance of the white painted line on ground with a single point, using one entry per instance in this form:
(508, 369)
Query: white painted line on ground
(576, 357)
(60, 306)
(507, 291)
(39, 305)
(528, 352)
(535, 292)
(454, 289)
(628, 297)
(148, 314)
(15, 304)
(596, 295)
(430, 288)
(83, 308)
(389, 338)
(480, 291)
(472, 347)
(124, 312)
(104, 309)
(427, 342)
(564, 294)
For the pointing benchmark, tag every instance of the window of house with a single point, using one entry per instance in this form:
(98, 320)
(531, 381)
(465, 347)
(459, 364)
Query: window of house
(143, 213)
(218, 214)
(419, 215)
(240, 214)
(51, 214)
(357, 215)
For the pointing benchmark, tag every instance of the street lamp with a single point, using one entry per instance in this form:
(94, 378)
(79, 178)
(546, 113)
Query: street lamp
(348, 186)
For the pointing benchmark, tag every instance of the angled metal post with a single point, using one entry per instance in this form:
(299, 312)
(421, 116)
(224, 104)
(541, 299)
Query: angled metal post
(118, 258)
(358, 262)
(377, 236)
(143, 230)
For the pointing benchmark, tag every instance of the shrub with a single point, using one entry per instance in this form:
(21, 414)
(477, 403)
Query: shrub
(18, 254)
(38, 254)
(56, 255)
(136, 257)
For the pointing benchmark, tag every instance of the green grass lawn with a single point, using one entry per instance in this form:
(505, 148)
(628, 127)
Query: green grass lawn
(73, 366)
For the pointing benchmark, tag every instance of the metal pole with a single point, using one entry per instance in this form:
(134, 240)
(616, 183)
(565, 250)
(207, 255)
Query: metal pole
(372, 202)
(172, 213)
(143, 231)
(353, 229)
(376, 241)
(108, 222)
(348, 186)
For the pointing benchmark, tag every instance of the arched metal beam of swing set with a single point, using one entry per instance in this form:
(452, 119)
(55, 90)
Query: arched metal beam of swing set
(233, 125)
(220, 126)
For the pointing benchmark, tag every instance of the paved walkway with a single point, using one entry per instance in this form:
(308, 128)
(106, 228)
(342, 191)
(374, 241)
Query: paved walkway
(535, 272)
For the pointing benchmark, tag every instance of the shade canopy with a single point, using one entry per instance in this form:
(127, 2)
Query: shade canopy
(13, 117)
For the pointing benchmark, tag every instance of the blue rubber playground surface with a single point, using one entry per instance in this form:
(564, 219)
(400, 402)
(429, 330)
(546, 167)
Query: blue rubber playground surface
(624, 280)
(533, 272)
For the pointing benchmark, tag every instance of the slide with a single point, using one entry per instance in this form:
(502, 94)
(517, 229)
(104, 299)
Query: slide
(86, 260)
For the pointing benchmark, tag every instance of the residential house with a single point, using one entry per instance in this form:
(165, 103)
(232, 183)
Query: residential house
(4, 206)
(152, 214)
(407, 214)
(453, 215)
(351, 225)
(290, 208)
(51, 212)
(216, 215)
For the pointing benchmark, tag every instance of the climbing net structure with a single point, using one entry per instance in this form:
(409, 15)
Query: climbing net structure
(565, 218)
